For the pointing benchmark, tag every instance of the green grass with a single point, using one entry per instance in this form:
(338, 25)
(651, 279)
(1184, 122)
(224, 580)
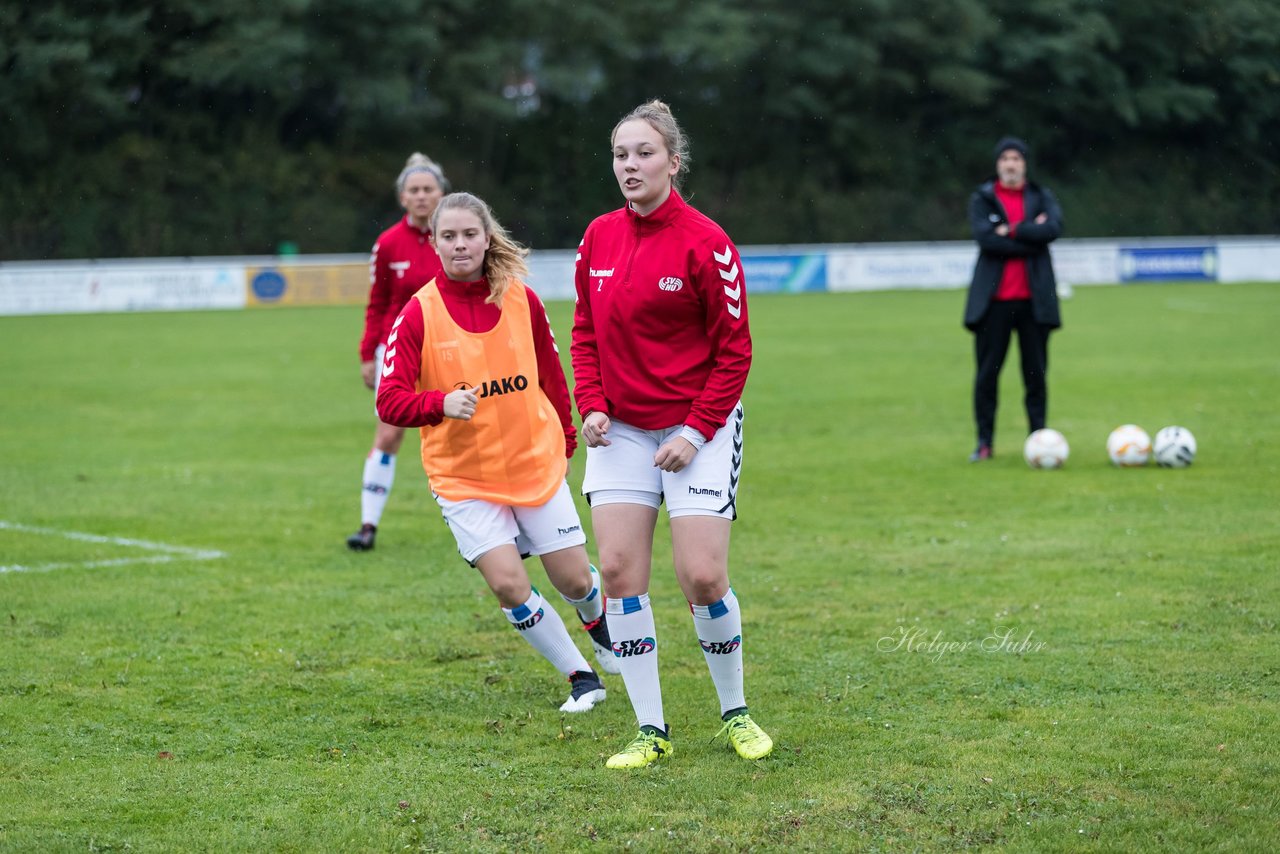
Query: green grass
(292, 696)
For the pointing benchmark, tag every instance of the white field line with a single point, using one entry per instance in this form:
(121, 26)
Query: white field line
(167, 554)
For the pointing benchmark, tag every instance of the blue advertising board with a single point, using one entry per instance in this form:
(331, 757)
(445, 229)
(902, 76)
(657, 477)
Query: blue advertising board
(785, 273)
(1168, 263)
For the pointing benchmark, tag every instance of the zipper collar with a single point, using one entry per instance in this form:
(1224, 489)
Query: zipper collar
(478, 288)
(422, 232)
(666, 213)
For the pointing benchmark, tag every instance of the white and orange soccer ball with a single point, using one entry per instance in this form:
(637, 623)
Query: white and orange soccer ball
(1174, 447)
(1129, 446)
(1046, 449)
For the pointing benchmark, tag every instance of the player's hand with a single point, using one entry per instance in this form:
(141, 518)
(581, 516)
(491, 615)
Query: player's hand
(461, 404)
(368, 370)
(1042, 219)
(594, 428)
(675, 454)
(1003, 229)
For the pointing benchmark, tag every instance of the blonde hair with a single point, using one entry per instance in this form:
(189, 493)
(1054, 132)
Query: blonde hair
(659, 117)
(419, 162)
(504, 261)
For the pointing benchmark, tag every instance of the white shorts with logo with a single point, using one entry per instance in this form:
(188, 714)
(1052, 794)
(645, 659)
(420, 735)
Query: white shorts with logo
(480, 526)
(623, 471)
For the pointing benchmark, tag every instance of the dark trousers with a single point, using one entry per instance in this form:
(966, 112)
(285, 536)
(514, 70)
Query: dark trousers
(991, 344)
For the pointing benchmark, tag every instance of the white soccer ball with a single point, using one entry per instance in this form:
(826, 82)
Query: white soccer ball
(1174, 447)
(1046, 449)
(1128, 446)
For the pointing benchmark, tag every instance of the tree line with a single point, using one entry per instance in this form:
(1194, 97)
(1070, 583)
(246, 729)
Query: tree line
(232, 127)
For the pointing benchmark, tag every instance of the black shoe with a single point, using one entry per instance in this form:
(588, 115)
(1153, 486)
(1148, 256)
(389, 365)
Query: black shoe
(362, 540)
(584, 692)
(983, 452)
(600, 642)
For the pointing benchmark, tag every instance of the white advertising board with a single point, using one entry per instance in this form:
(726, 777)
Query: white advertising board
(172, 284)
(1085, 262)
(1249, 261)
(900, 265)
(56, 289)
(551, 273)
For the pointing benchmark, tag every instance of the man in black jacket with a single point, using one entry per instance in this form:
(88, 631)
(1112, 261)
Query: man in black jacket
(1013, 286)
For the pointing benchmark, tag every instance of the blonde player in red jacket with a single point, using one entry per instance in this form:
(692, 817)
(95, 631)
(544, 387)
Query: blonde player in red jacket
(403, 260)
(661, 349)
(472, 361)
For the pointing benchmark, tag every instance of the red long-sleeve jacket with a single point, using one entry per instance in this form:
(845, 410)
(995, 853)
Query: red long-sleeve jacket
(400, 403)
(402, 261)
(660, 331)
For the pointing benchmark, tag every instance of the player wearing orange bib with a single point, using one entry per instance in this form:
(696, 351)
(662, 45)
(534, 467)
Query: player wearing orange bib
(471, 360)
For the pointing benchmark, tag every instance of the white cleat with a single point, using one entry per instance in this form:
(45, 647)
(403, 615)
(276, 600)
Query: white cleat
(585, 693)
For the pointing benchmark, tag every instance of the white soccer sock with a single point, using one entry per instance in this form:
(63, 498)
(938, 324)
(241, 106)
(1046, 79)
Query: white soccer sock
(542, 627)
(379, 474)
(591, 606)
(631, 627)
(719, 628)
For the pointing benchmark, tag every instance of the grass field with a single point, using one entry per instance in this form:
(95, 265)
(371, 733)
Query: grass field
(254, 686)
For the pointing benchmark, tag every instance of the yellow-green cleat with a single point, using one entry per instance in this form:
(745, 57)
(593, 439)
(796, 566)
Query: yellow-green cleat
(646, 748)
(747, 738)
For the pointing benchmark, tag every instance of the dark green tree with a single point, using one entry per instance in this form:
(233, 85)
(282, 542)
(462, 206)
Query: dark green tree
(226, 127)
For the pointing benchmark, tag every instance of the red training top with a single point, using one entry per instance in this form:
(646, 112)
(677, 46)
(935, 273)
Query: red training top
(660, 332)
(399, 401)
(1014, 282)
(403, 260)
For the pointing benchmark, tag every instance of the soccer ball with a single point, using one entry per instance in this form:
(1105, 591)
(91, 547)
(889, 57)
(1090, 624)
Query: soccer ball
(1175, 447)
(1129, 445)
(1045, 449)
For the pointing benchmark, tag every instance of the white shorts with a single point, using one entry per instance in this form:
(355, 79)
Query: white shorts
(378, 354)
(480, 526)
(623, 472)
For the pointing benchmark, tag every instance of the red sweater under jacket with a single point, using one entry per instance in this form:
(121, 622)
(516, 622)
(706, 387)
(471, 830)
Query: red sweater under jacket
(399, 401)
(402, 261)
(660, 332)
(1014, 283)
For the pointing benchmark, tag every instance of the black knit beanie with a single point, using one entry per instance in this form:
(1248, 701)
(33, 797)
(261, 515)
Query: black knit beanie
(1009, 142)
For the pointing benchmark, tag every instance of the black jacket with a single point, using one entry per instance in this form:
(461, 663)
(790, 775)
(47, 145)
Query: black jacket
(1032, 243)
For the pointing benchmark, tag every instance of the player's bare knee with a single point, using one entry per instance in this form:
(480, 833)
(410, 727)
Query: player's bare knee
(576, 588)
(511, 586)
(510, 592)
(704, 585)
(619, 577)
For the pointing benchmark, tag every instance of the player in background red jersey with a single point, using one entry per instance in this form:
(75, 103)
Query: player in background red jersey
(403, 260)
(661, 350)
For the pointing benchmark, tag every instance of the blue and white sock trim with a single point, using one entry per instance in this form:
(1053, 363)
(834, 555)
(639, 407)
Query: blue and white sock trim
(595, 590)
(627, 604)
(520, 613)
(716, 609)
